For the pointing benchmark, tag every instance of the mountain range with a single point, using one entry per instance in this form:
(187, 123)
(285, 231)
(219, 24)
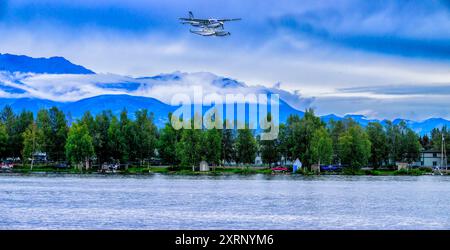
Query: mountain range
(121, 92)
(52, 65)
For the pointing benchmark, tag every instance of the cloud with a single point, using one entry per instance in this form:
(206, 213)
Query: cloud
(69, 88)
(413, 108)
(424, 90)
(411, 29)
(340, 55)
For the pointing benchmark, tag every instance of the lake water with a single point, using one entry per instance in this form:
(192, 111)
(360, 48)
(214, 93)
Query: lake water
(225, 202)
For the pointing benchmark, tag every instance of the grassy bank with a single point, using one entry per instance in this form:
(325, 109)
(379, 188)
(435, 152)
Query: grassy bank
(136, 170)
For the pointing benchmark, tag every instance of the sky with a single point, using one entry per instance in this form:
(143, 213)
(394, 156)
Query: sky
(383, 59)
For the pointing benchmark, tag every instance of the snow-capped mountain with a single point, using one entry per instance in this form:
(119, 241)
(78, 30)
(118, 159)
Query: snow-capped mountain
(52, 65)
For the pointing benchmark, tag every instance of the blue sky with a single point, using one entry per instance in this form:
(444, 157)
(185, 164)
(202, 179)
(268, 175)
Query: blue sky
(384, 59)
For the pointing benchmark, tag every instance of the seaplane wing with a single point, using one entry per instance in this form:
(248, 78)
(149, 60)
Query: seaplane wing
(229, 20)
(191, 19)
(206, 23)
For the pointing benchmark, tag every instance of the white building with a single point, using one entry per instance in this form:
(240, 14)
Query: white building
(430, 158)
(258, 160)
(204, 166)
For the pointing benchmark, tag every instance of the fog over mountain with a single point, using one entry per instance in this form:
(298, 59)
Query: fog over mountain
(35, 83)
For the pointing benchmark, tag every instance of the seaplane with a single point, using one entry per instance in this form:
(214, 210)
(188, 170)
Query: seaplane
(209, 27)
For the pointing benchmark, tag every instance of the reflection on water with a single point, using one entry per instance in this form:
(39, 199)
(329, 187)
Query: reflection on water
(224, 202)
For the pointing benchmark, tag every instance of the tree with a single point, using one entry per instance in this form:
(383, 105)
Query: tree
(146, 133)
(129, 135)
(436, 138)
(58, 137)
(393, 141)
(283, 143)
(425, 142)
(378, 139)
(100, 136)
(246, 146)
(403, 143)
(31, 143)
(354, 148)
(189, 148)
(303, 132)
(116, 141)
(213, 145)
(321, 147)
(412, 146)
(79, 147)
(287, 140)
(48, 134)
(270, 148)
(168, 139)
(7, 115)
(336, 129)
(269, 151)
(228, 143)
(89, 121)
(15, 126)
(45, 130)
(3, 141)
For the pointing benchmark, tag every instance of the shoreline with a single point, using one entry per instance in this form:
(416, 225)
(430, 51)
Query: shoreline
(218, 172)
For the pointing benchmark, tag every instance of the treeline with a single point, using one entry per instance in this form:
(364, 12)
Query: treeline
(107, 138)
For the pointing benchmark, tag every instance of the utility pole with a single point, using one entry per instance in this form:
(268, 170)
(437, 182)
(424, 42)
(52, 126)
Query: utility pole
(443, 153)
(34, 147)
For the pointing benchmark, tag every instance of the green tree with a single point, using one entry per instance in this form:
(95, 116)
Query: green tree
(3, 141)
(246, 146)
(146, 133)
(15, 126)
(283, 141)
(100, 136)
(378, 139)
(116, 141)
(270, 152)
(228, 143)
(303, 132)
(321, 147)
(404, 143)
(31, 143)
(128, 135)
(7, 115)
(394, 141)
(58, 136)
(336, 129)
(354, 148)
(436, 138)
(79, 146)
(168, 139)
(412, 146)
(288, 138)
(89, 121)
(213, 145)
(44, 126)
(425, 142)
(189, 148)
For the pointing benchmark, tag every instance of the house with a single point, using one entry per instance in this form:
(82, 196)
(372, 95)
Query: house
(40, 157)
(431, 158)
(297, 166)
(258, 160)
(204, 166)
